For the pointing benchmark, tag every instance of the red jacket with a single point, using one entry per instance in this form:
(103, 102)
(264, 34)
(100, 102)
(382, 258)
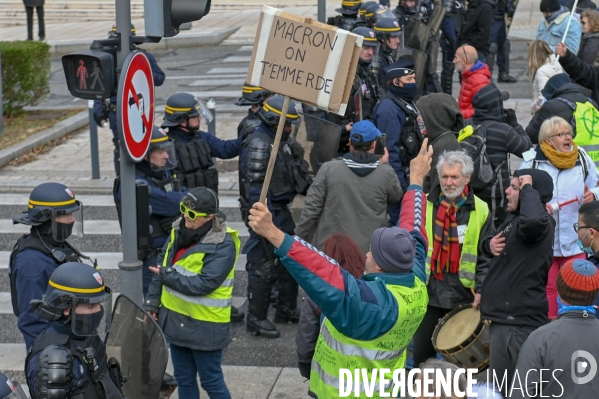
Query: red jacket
(472, 81)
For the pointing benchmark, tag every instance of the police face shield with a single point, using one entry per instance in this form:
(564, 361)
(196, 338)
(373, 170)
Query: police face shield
(384, 12)
(203, 111)
(412, 6)
(162, 156)
(17, 391)
(92, 316)
(395, 40)
(67, 223)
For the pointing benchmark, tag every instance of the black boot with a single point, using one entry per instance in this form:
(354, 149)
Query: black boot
(285, 315)
(236, 314)
(505, 78)
(169, 384)
(262, 327)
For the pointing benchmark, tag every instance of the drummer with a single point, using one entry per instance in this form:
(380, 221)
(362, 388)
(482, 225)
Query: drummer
(455, 220)
(513, 293)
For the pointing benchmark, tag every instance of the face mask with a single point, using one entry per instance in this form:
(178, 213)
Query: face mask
(364, 63)
(407, 92)
(63, 231)
(87, 324)
(587, 250)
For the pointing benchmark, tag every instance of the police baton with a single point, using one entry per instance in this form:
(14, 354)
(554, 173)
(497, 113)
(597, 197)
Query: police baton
(275, 150)
(566, 31)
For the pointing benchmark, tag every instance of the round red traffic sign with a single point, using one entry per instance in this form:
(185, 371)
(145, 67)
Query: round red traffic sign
(135, 107)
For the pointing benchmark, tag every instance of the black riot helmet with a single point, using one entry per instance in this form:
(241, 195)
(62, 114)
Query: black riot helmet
(270, 113)
(112, 34)
(166, 159)
(10, 389)
(349, 8)
(55, 203)
(252, 95)
(407, 9)
(80, 288)
(368, 35)
(182, 106)
(388, 27)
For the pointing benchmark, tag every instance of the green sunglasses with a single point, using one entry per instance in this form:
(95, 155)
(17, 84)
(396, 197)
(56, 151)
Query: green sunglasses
(191, 214)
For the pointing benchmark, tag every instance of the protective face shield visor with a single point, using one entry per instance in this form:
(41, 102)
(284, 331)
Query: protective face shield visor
(162, 156)
(384, 13)
(67, 223)
(203, 111)
(92, 316)
(407, 6)
(17, 391)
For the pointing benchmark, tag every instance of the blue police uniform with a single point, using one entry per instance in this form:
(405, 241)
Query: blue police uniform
(100, 113)
(32, 270)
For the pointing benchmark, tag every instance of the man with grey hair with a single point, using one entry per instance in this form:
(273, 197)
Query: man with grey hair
(455, 268)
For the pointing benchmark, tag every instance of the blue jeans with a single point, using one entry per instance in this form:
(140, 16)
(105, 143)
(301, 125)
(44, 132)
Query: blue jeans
(188, 363)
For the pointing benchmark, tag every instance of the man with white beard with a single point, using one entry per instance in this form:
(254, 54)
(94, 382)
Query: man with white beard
(455, 267)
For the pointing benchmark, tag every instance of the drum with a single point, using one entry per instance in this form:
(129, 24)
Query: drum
(462, 338)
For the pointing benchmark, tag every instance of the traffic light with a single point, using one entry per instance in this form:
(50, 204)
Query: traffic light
(91, 74)
(164, 17)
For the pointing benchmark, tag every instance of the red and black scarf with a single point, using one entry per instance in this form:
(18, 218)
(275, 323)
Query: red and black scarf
(446, 248)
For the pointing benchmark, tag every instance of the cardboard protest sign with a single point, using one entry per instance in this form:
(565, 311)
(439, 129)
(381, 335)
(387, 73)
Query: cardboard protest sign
(307, 60)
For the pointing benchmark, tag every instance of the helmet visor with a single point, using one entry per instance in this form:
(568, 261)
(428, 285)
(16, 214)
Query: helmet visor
(92, 316)
(385, 13)
(204, 112)
(162, 156)
(67, 223)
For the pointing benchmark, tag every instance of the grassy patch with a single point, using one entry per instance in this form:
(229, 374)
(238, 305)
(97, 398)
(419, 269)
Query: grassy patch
(21, 126)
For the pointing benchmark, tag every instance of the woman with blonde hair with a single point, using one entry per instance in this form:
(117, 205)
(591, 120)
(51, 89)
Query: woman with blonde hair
(575, 180)
(589, 45)
(540, 70)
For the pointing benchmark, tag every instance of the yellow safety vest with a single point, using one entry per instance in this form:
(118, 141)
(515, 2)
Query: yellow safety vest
(478, 217)
(214, 307)
(335, 351)
(587, 129)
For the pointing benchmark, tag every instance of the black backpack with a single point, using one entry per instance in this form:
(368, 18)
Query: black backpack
(475, 146)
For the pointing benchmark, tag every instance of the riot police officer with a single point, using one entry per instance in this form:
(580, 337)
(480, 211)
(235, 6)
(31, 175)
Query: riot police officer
(362, 20)
(397, 116)
(288, 179)
(349, 15)
(364, 93)
(194, 147)
(10, 389)
(389, 34)
(450, 28)
(106, 109)
(500, 45)
(165, 196)
(53, 214)
(68, 360)
(253, 96)
(405, 9)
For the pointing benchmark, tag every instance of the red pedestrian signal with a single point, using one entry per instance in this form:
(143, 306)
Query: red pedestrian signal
(90, 74)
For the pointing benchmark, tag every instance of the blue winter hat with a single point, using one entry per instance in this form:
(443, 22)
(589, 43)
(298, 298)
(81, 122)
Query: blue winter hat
(554, 83)
(364, 132)
(393, 249)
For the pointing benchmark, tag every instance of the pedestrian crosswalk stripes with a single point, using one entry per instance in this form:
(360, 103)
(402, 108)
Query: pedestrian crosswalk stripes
(217, 82)
(228, 70)
(235, 58)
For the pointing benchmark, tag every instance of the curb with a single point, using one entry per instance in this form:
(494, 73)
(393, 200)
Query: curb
(191, 40)
(45, 136)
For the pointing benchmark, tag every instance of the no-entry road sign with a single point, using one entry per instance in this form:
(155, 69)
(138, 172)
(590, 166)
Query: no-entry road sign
(135, 105)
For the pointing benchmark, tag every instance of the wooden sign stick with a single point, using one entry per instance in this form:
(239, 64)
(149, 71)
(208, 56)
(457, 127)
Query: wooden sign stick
(275, 150)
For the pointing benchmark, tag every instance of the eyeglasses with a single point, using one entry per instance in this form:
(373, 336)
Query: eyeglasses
(578, 227)
(191, 214)
(563, 135)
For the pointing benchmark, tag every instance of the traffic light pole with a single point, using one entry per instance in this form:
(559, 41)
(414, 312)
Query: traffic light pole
(130, 267)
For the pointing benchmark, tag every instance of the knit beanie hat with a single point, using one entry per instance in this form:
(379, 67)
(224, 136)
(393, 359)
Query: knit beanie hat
(555, 82)
(550, 5)
(541, 182)
(578, 283)
(393, 249)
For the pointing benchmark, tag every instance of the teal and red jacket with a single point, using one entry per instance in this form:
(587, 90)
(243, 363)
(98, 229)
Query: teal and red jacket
(360, 309)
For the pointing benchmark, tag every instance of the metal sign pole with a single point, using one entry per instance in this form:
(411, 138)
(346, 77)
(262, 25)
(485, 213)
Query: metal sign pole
(1, 100)
(322, 11)
(130, 267)
(93, 141)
